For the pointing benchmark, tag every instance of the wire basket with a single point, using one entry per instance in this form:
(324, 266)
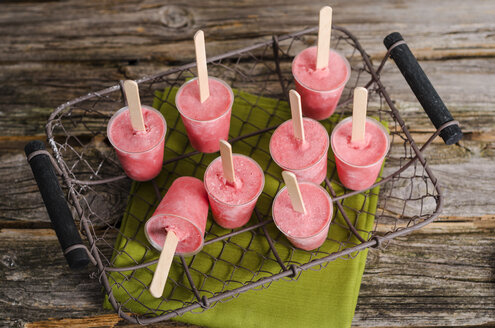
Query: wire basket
(98, 191)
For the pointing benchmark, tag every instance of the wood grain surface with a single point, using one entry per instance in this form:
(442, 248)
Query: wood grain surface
(53, 51)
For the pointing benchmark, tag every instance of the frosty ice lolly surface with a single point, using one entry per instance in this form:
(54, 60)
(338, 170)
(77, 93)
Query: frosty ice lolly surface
(304, 230)
(184, 210)
(359, 163)
(140, 152)
(308, 159)
(232, 203)
(320, 89)
(206, 122)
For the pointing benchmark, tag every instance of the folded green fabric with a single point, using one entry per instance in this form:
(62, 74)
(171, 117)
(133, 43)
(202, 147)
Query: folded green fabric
(325, 297)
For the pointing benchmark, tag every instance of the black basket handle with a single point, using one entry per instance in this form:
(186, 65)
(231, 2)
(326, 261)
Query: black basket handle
(422, 87)
(56, 206)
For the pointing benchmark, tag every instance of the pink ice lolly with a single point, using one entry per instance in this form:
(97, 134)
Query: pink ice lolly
(308, 160)
(304, 230)
(139, 153)
(359, 163)
(233, 204)
(184, 210)
(208, 122)
(320, 89)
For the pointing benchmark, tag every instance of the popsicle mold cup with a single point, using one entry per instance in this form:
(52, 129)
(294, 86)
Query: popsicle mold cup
(184, 209)
(209, 122)
(321, 89)
(139, 153)
(358, 165)
(308, 230)
(232, 204)
(307, 161)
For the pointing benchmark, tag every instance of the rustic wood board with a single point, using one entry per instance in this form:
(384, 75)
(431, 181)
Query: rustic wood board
(53, 51)
(438, 277)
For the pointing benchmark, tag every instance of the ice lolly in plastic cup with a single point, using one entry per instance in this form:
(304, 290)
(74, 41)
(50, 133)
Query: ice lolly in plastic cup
(208, 122)
(308, 160)
(184, 210)
(359, 163)
(233, 204)
(320, 89)
(308, 230)
(140, 152)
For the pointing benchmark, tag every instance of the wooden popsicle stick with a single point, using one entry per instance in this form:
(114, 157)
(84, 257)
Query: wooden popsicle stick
(294, 191)
(164, 264)
(131, 92)
(296, 112)
(227, 161)
(360, 104)
(199, 45)
(324, 34)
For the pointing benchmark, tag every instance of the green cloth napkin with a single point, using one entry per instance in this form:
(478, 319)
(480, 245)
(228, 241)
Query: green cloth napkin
(325, 297)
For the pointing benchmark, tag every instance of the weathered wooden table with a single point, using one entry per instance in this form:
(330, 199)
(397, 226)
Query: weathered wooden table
(50, 52)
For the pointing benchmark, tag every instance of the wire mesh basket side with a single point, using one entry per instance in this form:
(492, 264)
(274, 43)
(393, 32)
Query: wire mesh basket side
(98, 191)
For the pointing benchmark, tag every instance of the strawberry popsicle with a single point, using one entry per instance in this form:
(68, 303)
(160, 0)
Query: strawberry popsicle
(184, 210)
(206, 122)
(140, 152)
(358, 163)
(304, 230)
(308, 159)
(232, 203)
(320, 89)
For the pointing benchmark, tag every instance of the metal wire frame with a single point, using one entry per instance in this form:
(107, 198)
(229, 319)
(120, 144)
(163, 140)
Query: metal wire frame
(292, 270)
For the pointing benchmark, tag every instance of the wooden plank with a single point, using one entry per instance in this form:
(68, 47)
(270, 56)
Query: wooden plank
(451, 224)
(23, 202)
(416, 278)
(464, 173)
(472, 161)
(41, 80)
(99, 321)
(38, 287)
(442, 272)
(137, 30)
(32, 101)
(104, 320)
